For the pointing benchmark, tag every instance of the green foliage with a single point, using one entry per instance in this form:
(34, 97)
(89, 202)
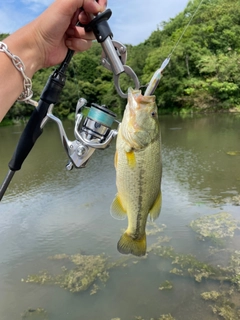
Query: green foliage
(203, 72)
(3, 36)
(204, 68)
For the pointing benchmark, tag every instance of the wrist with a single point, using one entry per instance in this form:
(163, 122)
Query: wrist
(22, 44)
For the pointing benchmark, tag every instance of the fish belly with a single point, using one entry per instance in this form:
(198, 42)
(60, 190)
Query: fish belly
(139, 191)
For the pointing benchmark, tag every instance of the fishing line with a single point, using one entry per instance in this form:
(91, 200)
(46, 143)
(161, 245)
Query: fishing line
(151, 87)
(185, 29)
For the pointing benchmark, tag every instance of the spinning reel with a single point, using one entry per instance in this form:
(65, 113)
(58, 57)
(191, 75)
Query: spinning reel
(93, 131)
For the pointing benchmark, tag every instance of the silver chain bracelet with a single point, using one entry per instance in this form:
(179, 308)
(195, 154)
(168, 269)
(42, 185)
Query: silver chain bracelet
(27, 93)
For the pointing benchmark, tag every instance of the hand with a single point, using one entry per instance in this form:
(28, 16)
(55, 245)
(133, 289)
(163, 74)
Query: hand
(55, 29)
(44, 42)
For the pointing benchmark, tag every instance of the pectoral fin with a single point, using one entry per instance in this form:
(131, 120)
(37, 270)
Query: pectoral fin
(131, 159)
(117, 210)
(156, 208)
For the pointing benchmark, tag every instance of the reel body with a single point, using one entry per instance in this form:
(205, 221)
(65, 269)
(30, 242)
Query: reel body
(93, 131)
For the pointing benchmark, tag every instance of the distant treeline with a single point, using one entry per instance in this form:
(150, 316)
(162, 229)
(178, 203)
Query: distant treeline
(203, 74)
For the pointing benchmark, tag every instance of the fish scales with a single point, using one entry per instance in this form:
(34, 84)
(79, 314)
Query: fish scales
(137, 194)
(138, 171)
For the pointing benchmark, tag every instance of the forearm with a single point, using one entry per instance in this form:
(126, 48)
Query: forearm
(11, 80)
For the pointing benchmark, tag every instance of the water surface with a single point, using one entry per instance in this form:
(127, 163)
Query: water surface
(48, 210)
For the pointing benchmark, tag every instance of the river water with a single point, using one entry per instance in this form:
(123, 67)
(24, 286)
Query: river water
(48, 210)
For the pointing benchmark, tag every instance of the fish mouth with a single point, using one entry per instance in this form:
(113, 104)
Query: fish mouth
(137, 101)
(135, 130)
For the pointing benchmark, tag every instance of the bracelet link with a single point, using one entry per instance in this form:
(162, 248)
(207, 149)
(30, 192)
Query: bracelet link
(18, 63)
(27, 93)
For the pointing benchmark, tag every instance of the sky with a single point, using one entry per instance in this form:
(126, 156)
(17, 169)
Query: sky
(132, 21)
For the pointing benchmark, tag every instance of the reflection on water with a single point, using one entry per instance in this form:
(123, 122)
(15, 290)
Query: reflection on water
(48, 211)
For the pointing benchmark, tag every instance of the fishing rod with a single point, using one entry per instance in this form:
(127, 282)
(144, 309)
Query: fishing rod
(93, 131)
(33, 129)
(159, 72)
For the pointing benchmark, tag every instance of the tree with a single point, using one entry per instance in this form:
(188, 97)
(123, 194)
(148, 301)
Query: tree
(203, 71)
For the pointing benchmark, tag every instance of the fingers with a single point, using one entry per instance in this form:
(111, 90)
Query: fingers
(103, 3)
(94, 7)
(76, 37)
(79, 32)
(67, 8)
(77, 44)
(75, 18)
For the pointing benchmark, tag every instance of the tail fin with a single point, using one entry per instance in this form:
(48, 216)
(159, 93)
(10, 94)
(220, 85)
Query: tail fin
(128, 245)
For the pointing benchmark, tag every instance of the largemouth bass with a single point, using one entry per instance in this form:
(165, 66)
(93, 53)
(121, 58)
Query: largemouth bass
(138, 171)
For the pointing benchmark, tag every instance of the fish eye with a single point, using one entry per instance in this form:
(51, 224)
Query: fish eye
(153, 114)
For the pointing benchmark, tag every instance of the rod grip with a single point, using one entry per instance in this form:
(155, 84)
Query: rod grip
(33, 130)
(29, 136)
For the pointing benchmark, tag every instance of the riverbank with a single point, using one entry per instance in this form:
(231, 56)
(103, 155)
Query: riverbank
(171, 111)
